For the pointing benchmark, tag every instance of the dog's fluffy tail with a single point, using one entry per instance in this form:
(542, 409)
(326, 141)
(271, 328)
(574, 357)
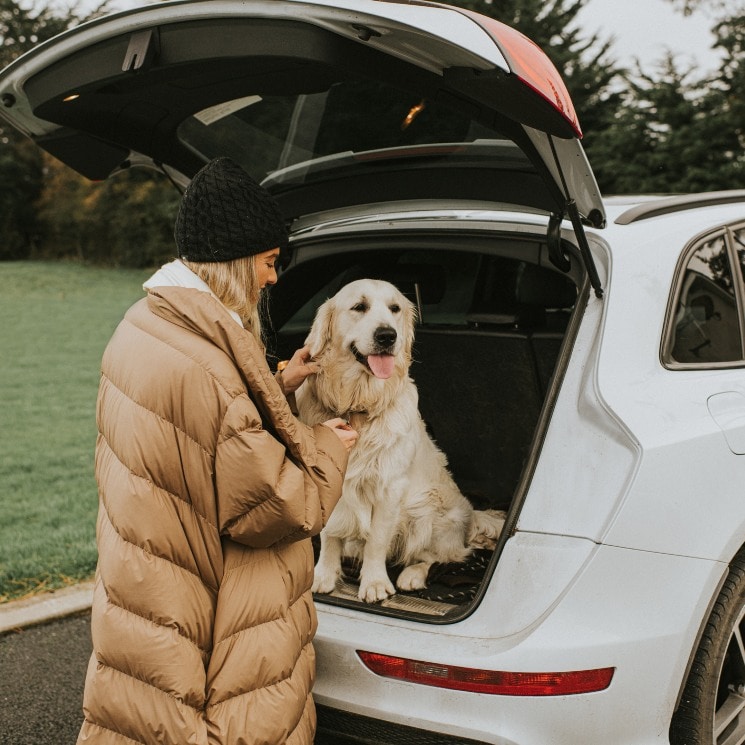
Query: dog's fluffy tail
(485, 529)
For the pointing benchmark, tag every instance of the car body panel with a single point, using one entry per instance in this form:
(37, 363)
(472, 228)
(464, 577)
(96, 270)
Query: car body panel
(684, 449)
(727, 409)
(657, 440)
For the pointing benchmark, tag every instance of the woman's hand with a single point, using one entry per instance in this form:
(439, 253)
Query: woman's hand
(299, 367)
(340, 427)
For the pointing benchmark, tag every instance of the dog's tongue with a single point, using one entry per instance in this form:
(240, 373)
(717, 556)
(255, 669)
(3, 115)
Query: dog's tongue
(381, 365)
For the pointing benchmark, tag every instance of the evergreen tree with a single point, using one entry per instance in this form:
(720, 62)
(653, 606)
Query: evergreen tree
(723, 7)
(667, 138)
(727, 93)
(678, 133)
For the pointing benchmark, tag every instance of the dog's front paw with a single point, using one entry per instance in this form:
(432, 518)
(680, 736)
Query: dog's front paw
(325, 582)
(413, 577)
(374, 590)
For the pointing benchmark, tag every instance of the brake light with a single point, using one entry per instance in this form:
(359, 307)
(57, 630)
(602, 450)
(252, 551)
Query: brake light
(530, 63)
(488, 681)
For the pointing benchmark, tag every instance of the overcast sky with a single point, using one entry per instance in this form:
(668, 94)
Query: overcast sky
(642, 29)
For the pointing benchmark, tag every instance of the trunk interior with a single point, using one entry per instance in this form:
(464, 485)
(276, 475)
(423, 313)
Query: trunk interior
(493, 317)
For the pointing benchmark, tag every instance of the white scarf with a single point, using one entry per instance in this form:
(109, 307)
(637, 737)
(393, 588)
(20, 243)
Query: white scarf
(177, 274)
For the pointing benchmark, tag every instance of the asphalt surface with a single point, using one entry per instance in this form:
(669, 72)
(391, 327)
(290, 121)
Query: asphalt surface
(42, 673)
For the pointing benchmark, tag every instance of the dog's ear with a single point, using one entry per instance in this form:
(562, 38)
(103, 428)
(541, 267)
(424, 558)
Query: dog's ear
(410, 318)
(320, 331)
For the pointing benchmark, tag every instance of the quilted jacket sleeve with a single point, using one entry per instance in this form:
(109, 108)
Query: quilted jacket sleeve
(263, 495)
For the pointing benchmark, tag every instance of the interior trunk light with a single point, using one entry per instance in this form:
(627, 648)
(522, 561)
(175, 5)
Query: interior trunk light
(413, 114)
(488, 681)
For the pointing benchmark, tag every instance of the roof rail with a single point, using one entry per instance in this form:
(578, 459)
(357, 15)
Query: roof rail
(666, 205)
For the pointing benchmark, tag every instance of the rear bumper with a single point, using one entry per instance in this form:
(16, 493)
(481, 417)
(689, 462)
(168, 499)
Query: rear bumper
(635, 611)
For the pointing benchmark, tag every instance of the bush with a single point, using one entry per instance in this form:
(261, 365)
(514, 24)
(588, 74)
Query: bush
(126, 221)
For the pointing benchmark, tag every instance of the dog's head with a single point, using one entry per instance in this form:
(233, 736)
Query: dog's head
(369, 320)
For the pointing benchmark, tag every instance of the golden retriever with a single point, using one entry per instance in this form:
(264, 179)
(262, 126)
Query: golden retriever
(399, 503)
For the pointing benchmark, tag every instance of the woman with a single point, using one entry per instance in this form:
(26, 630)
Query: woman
(209, 489)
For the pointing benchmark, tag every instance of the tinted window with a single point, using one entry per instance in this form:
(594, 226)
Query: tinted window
(706, 324)
(452, 289)
(267, 134)
(440, 284)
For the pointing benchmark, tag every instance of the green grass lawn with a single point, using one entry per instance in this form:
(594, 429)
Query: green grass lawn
(56, 320)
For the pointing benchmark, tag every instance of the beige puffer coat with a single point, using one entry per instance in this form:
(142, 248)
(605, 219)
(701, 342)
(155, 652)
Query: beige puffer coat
(209, 489)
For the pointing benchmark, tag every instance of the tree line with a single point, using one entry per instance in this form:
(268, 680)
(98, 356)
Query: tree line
(668, 130)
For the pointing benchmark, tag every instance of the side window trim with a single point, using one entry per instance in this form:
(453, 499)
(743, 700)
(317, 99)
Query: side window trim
(679, 280)
(738, 268)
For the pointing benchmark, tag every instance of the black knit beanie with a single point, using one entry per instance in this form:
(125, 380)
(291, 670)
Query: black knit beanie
(225, 214)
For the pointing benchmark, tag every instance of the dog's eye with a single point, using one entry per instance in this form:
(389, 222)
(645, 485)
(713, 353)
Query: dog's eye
(395, 308)
(360, 307)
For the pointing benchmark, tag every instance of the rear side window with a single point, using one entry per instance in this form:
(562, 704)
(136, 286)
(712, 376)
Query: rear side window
(706, 329)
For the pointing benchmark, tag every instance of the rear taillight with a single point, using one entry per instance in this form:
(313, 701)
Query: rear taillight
(530, 63)
(488, 681)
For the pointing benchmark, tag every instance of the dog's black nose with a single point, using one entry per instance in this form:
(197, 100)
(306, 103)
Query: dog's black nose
(385, 336)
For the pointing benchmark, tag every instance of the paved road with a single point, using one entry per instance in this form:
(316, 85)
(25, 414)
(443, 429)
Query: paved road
(42, 672)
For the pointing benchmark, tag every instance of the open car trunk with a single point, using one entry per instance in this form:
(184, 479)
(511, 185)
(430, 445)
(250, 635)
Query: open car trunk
(494, 318)
(355, 114)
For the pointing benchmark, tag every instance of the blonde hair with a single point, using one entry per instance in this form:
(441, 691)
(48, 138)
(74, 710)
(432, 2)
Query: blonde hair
(236, 286)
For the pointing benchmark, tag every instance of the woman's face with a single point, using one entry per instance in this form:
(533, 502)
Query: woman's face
(265, 265)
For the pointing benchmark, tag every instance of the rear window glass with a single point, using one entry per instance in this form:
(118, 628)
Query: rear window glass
(441, 285)
(450, 288)
(270, 134)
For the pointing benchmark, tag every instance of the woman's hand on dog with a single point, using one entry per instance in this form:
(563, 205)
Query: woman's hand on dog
(297, 369)
(294, 372)
(343, 431)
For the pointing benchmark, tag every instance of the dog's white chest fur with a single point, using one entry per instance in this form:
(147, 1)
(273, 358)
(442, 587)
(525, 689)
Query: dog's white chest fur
(379, 452)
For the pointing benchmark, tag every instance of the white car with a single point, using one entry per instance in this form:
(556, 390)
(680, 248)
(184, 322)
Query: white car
(581, 361)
